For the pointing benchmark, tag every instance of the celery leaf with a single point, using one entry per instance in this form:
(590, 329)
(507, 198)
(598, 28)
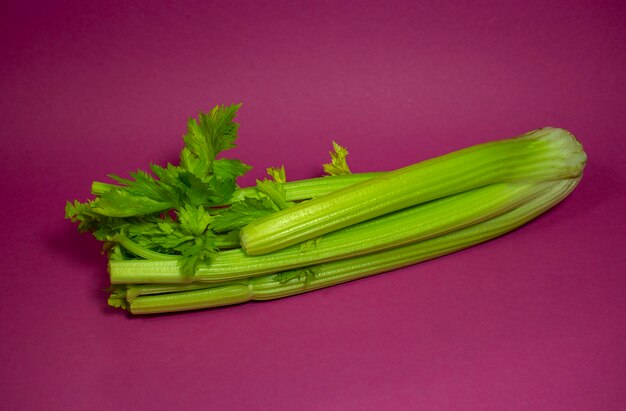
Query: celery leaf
(242, 213)
(338, 165)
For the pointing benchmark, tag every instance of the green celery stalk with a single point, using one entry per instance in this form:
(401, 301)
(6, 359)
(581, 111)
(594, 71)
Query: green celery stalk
(328, 274)
(295, 190)
(392, 230)
(306, 189)
(541, 155)
(135, 290)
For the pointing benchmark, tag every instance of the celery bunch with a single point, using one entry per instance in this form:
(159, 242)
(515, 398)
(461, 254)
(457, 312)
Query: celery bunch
(187, 237)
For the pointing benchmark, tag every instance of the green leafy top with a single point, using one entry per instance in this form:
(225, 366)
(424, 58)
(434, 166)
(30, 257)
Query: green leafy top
(270, 197)
(200, 179)
(338, 165)
(176, 211)
(205, 139)
(135, 213)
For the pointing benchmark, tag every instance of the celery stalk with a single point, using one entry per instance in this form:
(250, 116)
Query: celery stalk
(541, 155)
(295, 190)
(327, 274)
(311, 188)
(135, 290)
(392, 230)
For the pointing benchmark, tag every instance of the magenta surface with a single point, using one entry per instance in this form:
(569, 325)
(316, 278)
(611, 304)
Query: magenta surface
(535, 320)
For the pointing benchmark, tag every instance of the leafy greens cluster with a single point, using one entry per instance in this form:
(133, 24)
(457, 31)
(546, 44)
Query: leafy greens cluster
(168, 213)
(178, 211)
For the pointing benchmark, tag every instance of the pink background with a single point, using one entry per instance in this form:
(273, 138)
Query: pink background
(531, 321)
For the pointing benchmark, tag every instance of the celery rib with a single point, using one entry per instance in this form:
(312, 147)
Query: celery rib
(541, 155)
(294, 190)
(136, 249)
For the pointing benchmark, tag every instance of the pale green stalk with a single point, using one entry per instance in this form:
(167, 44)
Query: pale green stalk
(135, 290)
(294, 190)
(541, 155)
